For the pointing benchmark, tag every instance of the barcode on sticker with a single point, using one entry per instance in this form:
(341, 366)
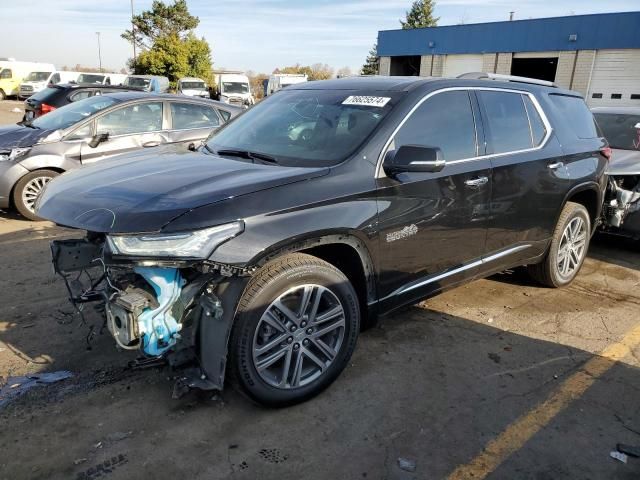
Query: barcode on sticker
(366, 101)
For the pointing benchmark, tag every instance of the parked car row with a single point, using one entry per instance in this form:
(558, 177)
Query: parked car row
(265, 250)
(103, 122)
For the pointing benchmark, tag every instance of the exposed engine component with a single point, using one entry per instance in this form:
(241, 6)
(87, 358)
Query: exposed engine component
(135, 321)
(624, 193)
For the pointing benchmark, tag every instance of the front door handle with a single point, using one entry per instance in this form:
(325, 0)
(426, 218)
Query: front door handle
(153, 143)
(476, 182)
(555, 165)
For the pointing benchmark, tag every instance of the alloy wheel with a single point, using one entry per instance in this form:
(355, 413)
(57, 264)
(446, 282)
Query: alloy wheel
(298, 336)
(572, 247)
(32, 191)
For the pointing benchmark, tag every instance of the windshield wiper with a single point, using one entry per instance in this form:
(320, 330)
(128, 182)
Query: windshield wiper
(248, 155)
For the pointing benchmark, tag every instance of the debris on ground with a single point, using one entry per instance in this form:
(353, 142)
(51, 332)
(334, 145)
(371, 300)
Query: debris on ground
(117, 436)
(495, 357)
(17, 386)
(406, 464)
(631, 450)
(618, 456)
(16, 110)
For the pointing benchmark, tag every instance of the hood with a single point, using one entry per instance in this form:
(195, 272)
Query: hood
(17, 136)
(624, 162)
(145, 193)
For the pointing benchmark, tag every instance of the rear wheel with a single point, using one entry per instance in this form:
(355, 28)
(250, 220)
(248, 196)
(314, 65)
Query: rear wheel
(295, 330)
(568, 248)
(28, 189)
(3, 96)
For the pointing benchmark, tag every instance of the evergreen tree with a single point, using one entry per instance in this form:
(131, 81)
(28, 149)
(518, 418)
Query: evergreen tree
(371, 65)
(420, 15)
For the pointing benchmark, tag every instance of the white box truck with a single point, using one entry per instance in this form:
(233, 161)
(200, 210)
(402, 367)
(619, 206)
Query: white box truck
(13, 73)
(278, 81)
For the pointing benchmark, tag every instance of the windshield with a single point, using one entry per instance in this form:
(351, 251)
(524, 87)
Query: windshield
(621, 130)
(137, 82)
(73, 113)
(192, 85)
(235, 87)
(304, 127)
(89, 78)
(38, 76)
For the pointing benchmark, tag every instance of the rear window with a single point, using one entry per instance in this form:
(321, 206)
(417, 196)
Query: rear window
(576, 114)
(46, 93)
(622, 130)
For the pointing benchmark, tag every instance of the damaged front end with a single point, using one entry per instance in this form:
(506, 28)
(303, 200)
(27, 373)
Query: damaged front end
(622, 205)
(160, 294)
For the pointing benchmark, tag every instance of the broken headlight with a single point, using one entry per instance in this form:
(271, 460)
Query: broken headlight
(195, 244)
(13, 154)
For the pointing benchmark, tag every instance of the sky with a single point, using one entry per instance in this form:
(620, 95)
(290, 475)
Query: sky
(258, 35)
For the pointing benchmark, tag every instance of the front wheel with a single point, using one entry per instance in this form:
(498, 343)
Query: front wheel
(3, 96)
(28, 189)
(295, 330)
(568, 248)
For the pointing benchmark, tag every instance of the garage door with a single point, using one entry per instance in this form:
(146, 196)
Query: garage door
(454, 65)
(616, 79)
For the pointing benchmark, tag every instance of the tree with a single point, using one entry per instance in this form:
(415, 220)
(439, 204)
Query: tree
(169, 46)
(420, 15)
(172, 57)
(256, 79)
(371, 64)
(162, 20)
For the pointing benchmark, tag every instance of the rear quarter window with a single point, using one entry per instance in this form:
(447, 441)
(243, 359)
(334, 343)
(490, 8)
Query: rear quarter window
(576, 114)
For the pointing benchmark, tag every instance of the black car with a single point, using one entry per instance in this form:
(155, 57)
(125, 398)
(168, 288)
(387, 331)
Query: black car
(56, 96)
(297, 223)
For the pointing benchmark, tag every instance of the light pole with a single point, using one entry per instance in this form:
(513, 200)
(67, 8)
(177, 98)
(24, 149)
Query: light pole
(133, 33)
(99, 52)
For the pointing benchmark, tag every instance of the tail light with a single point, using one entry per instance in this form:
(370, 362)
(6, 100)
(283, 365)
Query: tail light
(606, 152)
(44, 108)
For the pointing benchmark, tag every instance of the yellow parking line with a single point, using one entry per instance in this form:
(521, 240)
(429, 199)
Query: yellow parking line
(521, 430)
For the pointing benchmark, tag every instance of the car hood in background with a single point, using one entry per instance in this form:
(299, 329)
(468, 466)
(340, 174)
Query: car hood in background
(145, 193)
(624, 162)
(18, 136)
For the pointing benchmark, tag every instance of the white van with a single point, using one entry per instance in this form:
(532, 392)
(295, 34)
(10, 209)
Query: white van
(13, 73)
(234, 88)
(278, 81)
(192, 87)
(102, 78)
(37, 80)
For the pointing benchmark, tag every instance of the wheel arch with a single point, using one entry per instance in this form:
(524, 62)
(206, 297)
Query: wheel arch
(589, 196)
(13, 188)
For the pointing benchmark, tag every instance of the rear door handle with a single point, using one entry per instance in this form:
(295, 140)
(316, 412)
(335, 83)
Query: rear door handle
(555, 165)
(153, 143)
(476, 182)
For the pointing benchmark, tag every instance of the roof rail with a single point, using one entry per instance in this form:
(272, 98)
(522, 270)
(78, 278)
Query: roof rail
(506, 78)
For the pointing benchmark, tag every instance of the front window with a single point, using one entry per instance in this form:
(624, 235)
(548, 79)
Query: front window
(6, 73)
(38, 76)
(192, 85)
(622, 130)
(136, 118)
(235, 87)
(73, 113)
(306, 127)
(89, 78)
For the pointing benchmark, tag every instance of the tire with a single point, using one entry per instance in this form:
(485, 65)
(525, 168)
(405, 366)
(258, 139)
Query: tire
(260, 323)
(555, 270)
(3, 96)
(23, 198)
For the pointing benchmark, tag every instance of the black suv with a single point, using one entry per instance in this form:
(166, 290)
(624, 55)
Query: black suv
(266, 250)
(56, 96)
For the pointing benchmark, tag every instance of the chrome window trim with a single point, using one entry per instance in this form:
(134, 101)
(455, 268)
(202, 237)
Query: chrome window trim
(379, 173)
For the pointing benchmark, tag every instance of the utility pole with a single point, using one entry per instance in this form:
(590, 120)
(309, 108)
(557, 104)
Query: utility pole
(510, 15)
(133, 32)
(99, 52)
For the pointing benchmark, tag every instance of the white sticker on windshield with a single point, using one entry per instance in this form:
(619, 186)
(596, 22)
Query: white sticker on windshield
(366, 101)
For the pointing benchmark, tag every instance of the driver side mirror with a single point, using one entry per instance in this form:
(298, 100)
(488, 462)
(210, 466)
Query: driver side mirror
(413, 158)
(98, 139)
